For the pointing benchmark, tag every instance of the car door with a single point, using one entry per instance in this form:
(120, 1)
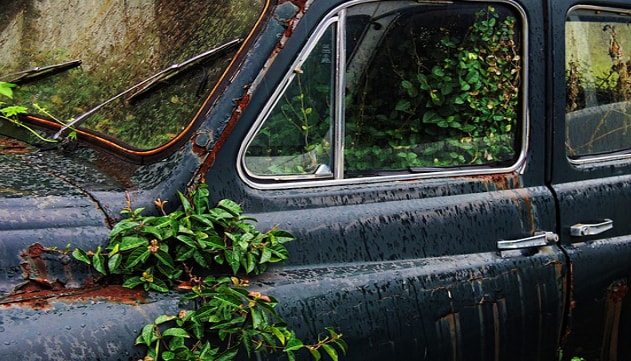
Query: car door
(591, 171)
(417, 237)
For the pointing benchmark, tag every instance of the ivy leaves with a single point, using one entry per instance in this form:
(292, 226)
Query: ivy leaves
(162, 252)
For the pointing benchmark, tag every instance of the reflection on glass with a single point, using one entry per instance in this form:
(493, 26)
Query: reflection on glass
(120, 44)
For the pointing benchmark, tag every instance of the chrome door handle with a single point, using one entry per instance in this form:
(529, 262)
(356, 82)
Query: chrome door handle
(538, 240)
(580, 229)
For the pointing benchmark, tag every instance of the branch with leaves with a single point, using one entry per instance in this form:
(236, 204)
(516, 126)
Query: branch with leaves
(12, 113)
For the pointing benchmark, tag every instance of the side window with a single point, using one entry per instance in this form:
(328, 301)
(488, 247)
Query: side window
(296, 136)
(426, 88)
(598, 82)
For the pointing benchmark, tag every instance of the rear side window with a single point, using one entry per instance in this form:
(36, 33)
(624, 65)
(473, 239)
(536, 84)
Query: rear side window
(419, 88)
(597, 82)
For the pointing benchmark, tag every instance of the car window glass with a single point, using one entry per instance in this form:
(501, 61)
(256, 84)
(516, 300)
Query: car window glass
(120, 44)
(426, 88)
(439, 87)
(296, 137)
(597, 82)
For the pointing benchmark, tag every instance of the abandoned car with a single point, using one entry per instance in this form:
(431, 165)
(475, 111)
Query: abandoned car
(456, 174)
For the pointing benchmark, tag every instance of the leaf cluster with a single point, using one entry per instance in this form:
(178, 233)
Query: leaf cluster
(158, 251)
(180, 249)
(229, 319)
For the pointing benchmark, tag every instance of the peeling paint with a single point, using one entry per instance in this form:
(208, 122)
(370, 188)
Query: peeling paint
(41, 299)
(615, 295)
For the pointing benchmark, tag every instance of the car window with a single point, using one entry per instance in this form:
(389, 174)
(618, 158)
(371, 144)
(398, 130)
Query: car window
(597, 82)
(426, 88)
(161, 58)
(295, 138)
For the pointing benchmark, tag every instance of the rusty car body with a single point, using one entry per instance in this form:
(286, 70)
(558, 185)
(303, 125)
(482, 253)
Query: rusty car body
(515, 255)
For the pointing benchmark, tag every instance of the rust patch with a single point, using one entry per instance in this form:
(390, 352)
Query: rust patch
(500, 182)
(301, 4)
(40, 299)
(241, 104)
(201, 142)
(38, 291)
(34, 267)
(613, 310)
(13, 146)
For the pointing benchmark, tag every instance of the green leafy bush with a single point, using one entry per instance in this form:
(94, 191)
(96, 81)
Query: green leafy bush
(175, 250)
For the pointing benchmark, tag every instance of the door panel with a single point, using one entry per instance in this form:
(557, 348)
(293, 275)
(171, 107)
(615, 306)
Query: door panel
(591, 174)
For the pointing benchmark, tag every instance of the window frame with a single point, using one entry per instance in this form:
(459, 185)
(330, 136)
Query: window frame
(602, 159)
(338, 16)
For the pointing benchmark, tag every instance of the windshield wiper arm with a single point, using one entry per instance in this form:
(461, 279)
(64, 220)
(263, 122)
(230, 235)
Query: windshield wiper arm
(149, 83)
(176, 69)
(39, 72)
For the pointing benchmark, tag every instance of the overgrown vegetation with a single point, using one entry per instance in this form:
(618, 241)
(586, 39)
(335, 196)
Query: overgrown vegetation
(189, 249)
(455, 100)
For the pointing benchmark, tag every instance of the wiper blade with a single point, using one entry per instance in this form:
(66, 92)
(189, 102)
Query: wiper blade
(39, 72)
(176, 69)
(149, 83)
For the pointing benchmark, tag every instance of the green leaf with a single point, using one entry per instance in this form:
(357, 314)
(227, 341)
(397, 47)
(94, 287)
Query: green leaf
(231, 207)
(98, 261)
(132, 282)
(163, 318)
(200, 198)
(185, 203)
(330, 351)
(176, 332)
(184, 254)
(154, 231)
(168, 355)
(279, 335)
(201, 259)
(80, 255)
(139, 255)
(123, 226)
(266, 255)
(190, 242)
(228, 355)
(148, 334)
(403, 105)
(5, 89)
(294, 344)
(159, 285)
(14, 110)
(114, 262)
(131, 242)
(165, 259)
(315, 354)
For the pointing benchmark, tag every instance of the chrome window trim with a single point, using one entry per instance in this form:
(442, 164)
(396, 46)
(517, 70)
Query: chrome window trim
(312, 180)
(597, 159)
